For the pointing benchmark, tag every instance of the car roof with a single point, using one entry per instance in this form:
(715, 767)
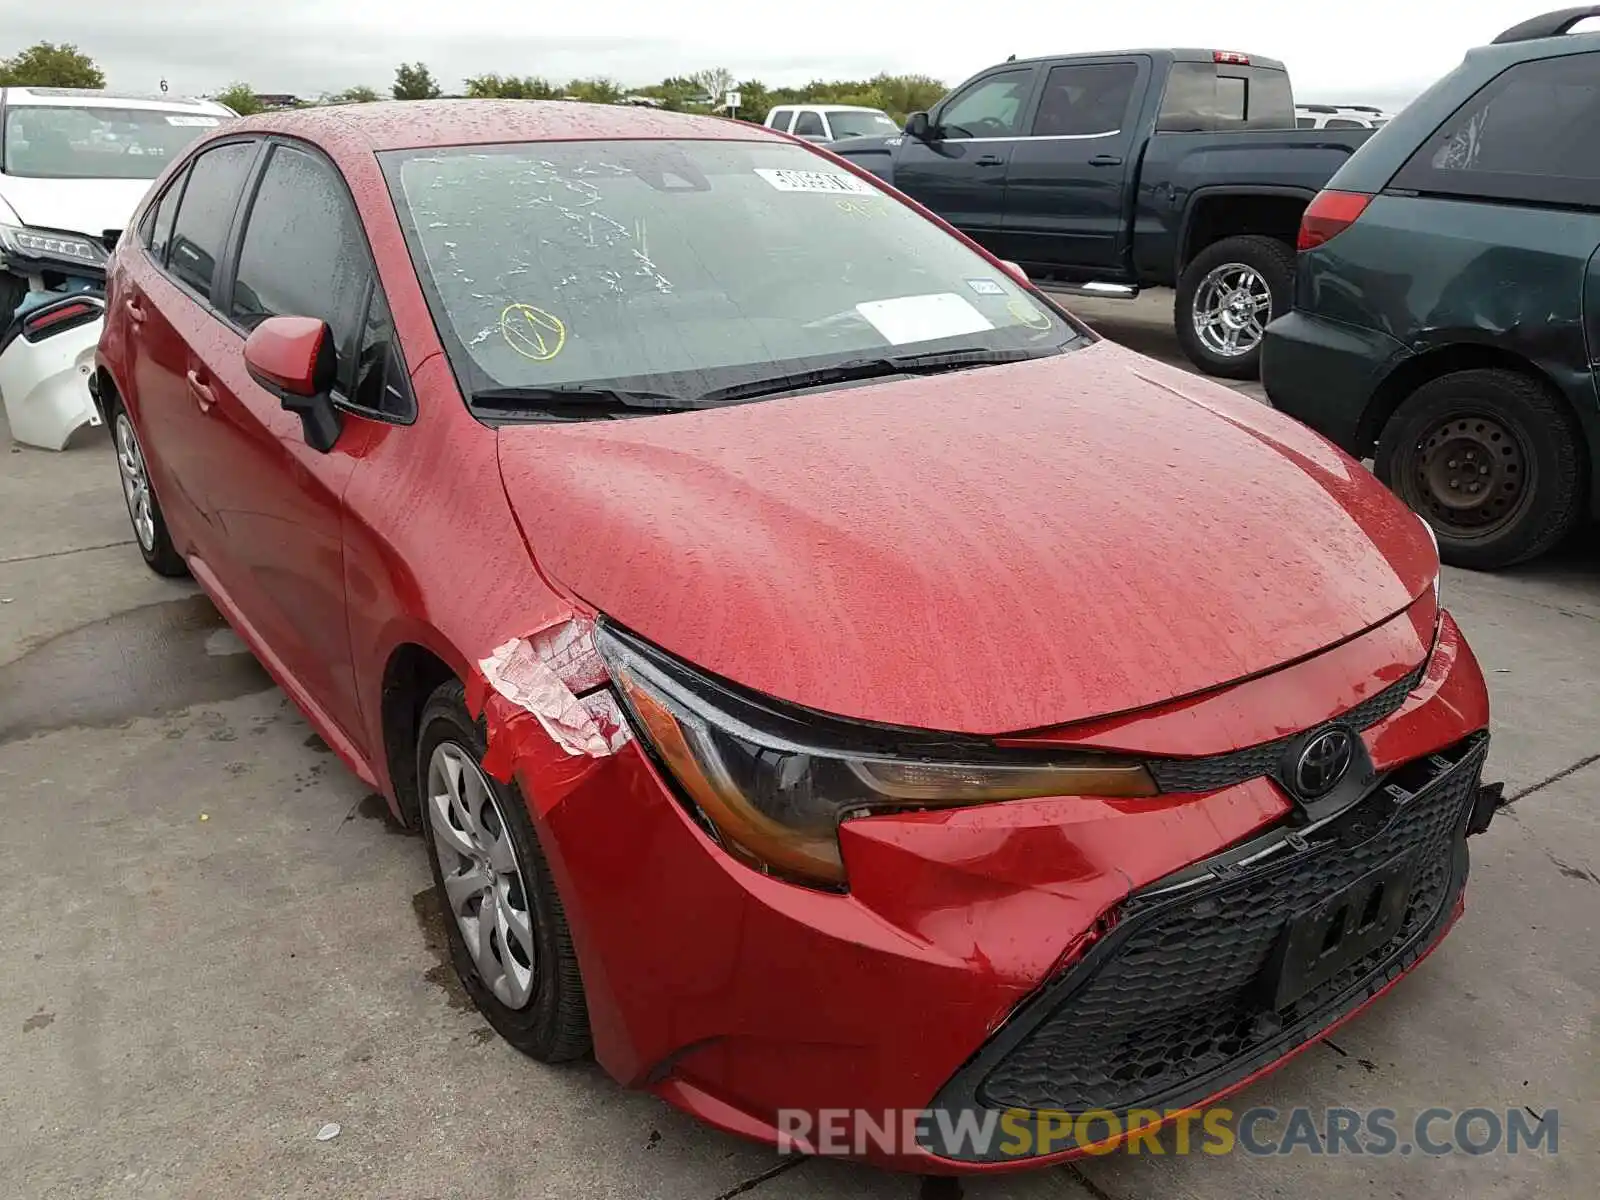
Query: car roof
(1184, 54)
(419, 124)
(1375, 163)
(835, 107)
(96, 98)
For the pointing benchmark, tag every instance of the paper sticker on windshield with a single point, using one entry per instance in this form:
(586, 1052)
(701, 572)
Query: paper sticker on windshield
(986, 287)
(815, 181)
(923, 318)
(192, 122)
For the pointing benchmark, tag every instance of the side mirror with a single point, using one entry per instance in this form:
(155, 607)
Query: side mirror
(294, 359)
(919, 127)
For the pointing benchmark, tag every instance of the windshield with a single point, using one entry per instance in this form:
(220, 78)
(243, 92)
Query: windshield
(56, 142)
(861, 124)
(687, 267)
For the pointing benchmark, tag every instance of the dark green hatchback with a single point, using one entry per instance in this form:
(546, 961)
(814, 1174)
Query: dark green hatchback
(1447, 318)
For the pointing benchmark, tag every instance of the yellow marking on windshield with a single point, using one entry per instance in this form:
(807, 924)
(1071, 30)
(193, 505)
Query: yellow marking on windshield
(1027, 314)
(860, 208)
(532, 332)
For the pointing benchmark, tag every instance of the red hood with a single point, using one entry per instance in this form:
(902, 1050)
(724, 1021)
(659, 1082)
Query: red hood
(986, 551)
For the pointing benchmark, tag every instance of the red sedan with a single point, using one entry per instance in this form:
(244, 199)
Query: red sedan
(826, 676)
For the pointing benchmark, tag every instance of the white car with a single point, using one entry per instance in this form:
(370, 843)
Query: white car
(830, 122)
(73, 166)
(1339, 116)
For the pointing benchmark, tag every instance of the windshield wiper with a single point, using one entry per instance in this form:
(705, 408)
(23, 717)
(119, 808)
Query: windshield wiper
(852, 370)
(579, 402)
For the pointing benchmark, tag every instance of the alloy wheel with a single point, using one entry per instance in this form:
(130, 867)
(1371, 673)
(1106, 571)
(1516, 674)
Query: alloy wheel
(135, 483)
(483, 882)
(1232, 306)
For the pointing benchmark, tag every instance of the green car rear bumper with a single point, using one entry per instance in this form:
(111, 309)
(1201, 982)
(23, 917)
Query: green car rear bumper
(1324, 374)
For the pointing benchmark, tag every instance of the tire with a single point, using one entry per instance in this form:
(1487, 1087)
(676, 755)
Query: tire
(151, 536)
(551, 1022)
(1272, 264)
(1498, 429)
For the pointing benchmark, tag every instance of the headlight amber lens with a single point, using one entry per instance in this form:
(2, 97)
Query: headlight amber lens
(777, 804)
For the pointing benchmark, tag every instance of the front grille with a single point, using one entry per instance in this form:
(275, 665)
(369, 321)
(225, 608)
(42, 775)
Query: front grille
(1226, 770)
(1170, 1006)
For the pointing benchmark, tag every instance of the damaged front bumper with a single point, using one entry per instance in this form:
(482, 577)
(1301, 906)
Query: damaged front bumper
(46, 364)
(735, 995)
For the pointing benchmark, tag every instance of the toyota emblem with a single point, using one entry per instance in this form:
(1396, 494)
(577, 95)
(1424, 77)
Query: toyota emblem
(1322, 763)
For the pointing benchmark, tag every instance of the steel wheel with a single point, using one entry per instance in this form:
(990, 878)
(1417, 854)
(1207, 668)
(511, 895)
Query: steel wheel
(1469, 476)
(483, 881)
(135, 484)
(1232, 306)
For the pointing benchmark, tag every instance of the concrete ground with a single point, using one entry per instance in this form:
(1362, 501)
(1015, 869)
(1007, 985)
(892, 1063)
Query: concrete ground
(213, 943)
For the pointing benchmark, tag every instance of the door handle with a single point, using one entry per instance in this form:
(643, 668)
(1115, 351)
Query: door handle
(200, 388)
(990, 160)
(135, 310)
(1106, 160)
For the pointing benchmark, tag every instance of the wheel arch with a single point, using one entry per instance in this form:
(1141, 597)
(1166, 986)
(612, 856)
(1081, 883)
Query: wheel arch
(411, 673)
(1224, 211)
(1411, 373)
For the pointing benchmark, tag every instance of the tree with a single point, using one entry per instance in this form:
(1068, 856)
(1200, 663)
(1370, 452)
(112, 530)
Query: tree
(49, 65)
(509, 87)
(675, 92)
(598, 90)
(355, 95)
(900, 95)
(241, 98)
(714, 82)
(755, 101)
(413, 81)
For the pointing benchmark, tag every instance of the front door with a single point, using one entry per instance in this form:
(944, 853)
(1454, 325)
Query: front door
(1067, 194)
(960, 171)
(277, 501)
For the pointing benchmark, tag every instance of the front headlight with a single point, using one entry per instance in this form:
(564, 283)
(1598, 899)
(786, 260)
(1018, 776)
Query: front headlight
(774, 782)
(65, 248)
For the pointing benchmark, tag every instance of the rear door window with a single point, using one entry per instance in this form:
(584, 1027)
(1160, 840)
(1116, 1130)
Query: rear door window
(1531, 133)
(779, 119)
(158, 231)
(205, 213)
(809, 124)
(1085, 99)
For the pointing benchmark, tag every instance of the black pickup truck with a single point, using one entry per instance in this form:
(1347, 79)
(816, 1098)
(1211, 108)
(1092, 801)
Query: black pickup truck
(1112, 172)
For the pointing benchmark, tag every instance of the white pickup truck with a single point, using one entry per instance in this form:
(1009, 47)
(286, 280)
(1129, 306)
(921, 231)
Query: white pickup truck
(830, 122)
(73, 166)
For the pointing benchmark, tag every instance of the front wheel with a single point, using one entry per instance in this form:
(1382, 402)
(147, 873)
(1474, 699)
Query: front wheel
(1492, 460)
(1226, 297)
(507, 931)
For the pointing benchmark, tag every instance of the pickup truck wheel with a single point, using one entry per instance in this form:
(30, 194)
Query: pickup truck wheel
(1226, 297)
(1492, 460)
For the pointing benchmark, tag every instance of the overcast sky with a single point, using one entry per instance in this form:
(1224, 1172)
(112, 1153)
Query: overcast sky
(1353, 51)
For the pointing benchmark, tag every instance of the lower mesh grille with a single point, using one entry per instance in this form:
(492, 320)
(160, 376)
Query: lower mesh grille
(1175, 1003)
